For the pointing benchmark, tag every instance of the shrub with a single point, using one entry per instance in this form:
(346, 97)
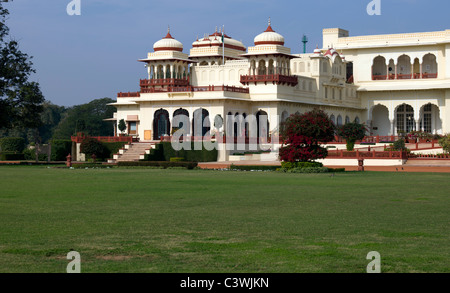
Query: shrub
(293, 165)
(176, 159)
(306, 170)
(164, 151)
(253, 168)
(12, 144)
(444, 142)
(11, 156)
(399, 145)
(30, 155)
(164, 164)
(111, 148)
(91, 146)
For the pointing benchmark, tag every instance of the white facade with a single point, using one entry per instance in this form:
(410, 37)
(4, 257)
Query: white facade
(393, 83)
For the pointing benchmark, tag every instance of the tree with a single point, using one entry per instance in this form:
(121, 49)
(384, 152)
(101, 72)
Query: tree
(20, 100)
(87, 118)
(122, 125)
(302, 135)
(352, 132)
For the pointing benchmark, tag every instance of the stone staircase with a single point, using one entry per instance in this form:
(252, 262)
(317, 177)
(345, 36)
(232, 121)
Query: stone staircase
(132, 152)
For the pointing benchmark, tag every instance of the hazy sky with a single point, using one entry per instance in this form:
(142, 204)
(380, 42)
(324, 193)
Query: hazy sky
(81, 58)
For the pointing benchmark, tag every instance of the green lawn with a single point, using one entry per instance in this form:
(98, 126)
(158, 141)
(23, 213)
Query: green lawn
(147, 220)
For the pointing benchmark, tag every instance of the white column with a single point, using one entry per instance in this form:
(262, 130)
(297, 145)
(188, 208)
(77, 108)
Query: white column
(392, 132)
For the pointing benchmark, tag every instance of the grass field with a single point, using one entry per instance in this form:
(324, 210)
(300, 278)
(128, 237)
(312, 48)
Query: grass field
(147, 220)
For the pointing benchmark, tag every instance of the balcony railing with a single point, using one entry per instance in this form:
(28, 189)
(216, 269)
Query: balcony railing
(404, 76)
(129, 95)
(273, 78)
(341, 154)
(211, 88)
(164, 82)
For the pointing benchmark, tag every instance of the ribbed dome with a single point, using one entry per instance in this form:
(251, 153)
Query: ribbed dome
(269, 37)
(215, 40)
(168, 43)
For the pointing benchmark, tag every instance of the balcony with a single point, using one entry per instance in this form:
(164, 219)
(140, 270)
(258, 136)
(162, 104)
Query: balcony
(273, 78)
(164, 82)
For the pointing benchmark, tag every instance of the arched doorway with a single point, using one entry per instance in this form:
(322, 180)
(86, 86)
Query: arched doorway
(200, 123)
(430, 120)
(263, 126)
(405, 119)
(161, 124)
(179, 123)
(380, 121)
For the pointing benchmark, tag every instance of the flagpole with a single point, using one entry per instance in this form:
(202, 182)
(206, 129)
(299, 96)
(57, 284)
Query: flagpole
(223, 45)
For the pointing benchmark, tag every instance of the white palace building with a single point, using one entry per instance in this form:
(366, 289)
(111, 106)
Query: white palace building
(392, 83)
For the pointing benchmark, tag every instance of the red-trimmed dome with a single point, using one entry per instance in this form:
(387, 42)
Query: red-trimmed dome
(168, 43)
(269, 37)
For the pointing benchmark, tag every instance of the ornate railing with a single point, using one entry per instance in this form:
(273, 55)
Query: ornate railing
(211, 88)
(129, 95)
(341, 154)
(164, 82)
(404, 76)
(273, 78)
(79, 138)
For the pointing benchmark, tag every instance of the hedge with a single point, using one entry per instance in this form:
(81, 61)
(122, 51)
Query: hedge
(30, 155)
(306, 170)
(112, 148)
(163, 164)
(60, 149)
(11, 156)
(12, 144)
(164, 151)
(289, 165)
(254, 168)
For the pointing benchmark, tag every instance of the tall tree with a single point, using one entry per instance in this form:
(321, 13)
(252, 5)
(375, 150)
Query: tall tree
(87, 118)
(20, 100)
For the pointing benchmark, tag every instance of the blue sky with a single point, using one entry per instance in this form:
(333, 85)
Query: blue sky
(81, 58)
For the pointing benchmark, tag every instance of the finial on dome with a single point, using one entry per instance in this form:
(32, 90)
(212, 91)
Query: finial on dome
(168, 36)
(269, 28)
(216, 29)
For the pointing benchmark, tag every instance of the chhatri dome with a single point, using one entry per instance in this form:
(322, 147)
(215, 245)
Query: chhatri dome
(168, 43)
(269, 37)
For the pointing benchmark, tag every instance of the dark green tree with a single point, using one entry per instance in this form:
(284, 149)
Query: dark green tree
(87, 118)
(122, 125)
(352, 132)
(20, 100)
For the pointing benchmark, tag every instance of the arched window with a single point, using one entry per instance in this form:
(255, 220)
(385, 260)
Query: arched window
(404, 67)
(405, 119)
(379, 68)
(339, 120)
(429, 66)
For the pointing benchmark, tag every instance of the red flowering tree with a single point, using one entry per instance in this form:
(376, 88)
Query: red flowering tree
(302, 135)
